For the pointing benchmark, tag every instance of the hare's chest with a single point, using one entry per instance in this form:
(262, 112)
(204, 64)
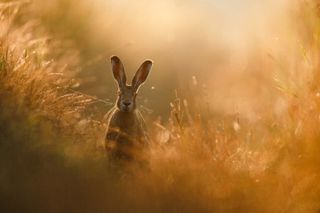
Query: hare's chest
(124, 124)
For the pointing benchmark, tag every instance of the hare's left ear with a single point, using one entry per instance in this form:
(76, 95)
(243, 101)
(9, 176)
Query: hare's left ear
(118, 71)
(141, 75)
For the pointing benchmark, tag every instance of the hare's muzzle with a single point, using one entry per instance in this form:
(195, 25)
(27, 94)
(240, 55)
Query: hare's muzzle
(126, 106)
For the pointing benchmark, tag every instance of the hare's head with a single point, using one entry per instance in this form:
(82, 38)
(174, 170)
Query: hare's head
(126, 101)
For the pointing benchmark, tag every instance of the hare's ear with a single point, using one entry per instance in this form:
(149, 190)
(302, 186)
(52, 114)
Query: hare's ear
(142, 74)
(118, 71)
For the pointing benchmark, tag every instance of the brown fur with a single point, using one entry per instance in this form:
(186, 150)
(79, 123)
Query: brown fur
(126, 135)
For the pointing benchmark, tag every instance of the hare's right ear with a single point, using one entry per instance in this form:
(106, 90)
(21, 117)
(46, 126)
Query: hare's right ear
(118, 71)
(141, 75)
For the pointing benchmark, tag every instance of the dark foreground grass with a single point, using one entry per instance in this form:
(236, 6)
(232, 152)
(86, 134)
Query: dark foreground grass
(51, 158)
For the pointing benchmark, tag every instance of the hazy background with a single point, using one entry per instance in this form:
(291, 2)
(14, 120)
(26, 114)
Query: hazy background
(245, 140)
(226, 45)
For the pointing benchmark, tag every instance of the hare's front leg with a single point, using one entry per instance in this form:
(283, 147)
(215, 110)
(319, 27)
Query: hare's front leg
(111, 139)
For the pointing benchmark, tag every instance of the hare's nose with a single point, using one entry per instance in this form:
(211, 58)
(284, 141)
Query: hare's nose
(127, 103)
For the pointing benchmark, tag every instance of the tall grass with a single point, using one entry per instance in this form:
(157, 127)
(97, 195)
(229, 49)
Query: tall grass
(200, 160)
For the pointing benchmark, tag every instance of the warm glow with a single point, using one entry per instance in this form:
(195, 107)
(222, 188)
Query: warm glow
(224, 117)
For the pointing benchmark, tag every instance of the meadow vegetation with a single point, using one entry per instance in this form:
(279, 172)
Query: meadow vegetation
(201, 160)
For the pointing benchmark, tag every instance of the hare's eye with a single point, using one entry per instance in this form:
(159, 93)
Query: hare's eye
(119, 93)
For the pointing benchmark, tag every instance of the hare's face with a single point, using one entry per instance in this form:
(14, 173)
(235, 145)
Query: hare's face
(127, 94)
(126, 99)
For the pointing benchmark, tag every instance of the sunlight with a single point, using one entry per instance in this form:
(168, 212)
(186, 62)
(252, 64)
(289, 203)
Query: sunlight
(233, 22)
(160, 106)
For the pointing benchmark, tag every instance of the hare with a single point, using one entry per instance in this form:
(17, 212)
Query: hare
(126, 135)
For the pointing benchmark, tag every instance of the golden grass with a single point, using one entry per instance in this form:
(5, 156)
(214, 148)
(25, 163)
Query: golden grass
(200, 161)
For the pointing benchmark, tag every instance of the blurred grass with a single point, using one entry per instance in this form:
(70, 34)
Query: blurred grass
(201, 160)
